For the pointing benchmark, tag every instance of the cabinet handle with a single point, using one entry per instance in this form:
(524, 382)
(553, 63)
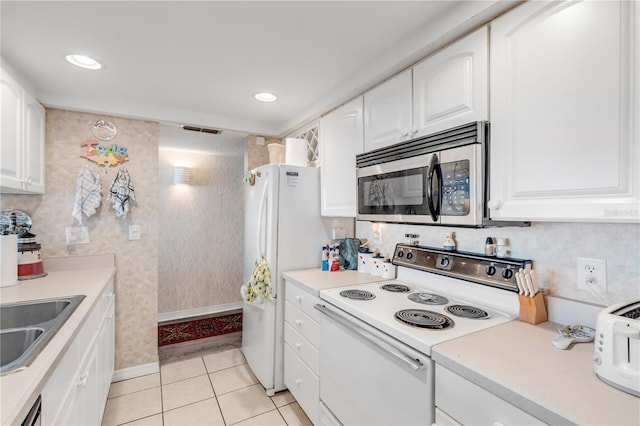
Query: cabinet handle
(404, 132)
(494, 204)
(298, 299)
(298, 346)
(82, 383)
(299, 323)
(297, 382)
(414, 130)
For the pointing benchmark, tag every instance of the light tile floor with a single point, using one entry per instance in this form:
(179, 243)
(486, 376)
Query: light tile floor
(214, 389)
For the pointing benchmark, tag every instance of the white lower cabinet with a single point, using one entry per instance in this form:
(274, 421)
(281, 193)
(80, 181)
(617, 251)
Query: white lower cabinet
(302, 349)
(461, 402)
(76, 392)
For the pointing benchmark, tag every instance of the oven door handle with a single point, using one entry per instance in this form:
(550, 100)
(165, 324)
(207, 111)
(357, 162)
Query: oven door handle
(379, 343)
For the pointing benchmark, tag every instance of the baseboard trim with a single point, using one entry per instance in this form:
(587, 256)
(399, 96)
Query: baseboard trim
(196, 312)
(137, 371)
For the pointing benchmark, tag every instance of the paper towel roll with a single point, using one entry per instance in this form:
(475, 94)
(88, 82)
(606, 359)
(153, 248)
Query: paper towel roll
(8, 260)
(295, 151)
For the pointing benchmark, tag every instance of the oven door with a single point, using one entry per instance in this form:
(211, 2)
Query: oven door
(369, 378)
(405, 191)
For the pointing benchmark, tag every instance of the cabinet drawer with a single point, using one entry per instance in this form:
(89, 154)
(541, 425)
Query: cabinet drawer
(302, 383)
(302, 348)
(302, 300)
(302, 323)
(468, 403)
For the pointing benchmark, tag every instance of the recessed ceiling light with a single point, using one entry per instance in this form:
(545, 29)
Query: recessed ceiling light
(84, 62)
(265, 97)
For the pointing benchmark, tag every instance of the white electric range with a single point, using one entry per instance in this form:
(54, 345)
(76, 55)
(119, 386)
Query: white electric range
(376, 338)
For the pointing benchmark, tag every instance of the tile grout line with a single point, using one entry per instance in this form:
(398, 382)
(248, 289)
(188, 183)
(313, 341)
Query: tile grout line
(215, 395)
(161, 399)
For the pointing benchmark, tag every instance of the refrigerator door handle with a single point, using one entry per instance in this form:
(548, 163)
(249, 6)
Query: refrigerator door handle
(263, 201)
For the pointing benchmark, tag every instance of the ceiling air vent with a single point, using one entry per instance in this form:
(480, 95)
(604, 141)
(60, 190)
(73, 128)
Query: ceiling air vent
(202, 130)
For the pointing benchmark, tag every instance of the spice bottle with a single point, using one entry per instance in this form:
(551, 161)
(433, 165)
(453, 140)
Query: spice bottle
(449, 243)
(489, 247)
(502, 249)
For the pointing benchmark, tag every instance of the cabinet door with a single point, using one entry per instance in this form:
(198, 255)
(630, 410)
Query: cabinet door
(450, 88)
(11, 133)
(341, 138)
(387, 113)
(564, 141)
(105, 343)
(33, 175)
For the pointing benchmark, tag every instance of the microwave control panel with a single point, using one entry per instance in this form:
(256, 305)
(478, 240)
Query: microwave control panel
(455, 188)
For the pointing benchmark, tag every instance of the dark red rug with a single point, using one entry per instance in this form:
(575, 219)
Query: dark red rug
(184, 331)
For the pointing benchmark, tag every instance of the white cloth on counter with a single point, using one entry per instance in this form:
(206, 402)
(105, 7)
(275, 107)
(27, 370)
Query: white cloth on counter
(258, 288)
(88, 193)
(121, 193)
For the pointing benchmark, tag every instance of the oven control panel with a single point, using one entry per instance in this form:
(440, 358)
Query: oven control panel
(479, 268)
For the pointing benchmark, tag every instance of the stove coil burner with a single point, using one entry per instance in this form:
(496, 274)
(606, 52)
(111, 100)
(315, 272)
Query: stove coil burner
(466, 311)
(357, 294)
(421, 318)
(428, 299)
(396, 288)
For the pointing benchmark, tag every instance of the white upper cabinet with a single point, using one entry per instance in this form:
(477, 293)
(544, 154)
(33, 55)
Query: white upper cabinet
(450, 88)
(564, 112)
(445, 90)
(11, 158)
(33, 174)
(341, 138)
(387, 108)
(22, 144)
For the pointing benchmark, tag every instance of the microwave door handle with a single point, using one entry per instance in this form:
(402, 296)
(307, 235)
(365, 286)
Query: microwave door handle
(434, 167)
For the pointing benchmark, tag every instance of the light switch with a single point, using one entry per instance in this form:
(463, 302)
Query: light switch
(134, 232)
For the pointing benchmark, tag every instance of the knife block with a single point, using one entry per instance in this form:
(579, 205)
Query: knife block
(532, 309)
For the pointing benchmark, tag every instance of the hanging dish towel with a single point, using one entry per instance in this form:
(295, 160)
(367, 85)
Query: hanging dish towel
(88, 193)
(258, 288)
(121, 193)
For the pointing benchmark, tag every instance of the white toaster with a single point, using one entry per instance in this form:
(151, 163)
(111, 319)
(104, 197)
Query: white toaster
(617, 346)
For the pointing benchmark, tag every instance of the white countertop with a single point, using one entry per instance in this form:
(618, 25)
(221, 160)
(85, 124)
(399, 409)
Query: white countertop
(19, 390)
(517, 362)
(315, 279)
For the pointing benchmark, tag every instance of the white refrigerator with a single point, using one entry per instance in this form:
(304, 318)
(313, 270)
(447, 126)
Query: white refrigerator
(283, 223)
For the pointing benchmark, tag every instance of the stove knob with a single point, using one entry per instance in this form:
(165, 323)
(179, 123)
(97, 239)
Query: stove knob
(400, 254)
(507, 273)
(409, 256)
(491, 270)
(444, 262)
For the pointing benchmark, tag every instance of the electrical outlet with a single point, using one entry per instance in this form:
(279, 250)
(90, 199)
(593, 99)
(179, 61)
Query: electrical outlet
(77, 235)
(592, 274)
(377, 234)
(134, 232)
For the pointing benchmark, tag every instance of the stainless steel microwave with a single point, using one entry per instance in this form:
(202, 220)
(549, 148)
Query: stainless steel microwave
(439, 179)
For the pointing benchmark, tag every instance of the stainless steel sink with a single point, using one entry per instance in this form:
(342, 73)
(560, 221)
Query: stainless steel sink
(27, 327)
(16, 342)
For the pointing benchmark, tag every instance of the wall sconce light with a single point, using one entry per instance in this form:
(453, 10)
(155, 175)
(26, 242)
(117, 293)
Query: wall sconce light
(181, 175)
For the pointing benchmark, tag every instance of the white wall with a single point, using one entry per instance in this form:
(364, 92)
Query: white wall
(554, 248)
